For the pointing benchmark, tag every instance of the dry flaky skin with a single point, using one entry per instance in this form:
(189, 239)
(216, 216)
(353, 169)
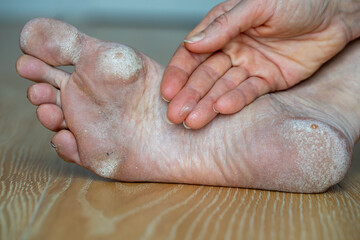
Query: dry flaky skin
(112, 105)
(120, 61)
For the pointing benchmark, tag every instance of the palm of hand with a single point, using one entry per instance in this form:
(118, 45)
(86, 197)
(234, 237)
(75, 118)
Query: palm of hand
(283, 62)
(280, 49)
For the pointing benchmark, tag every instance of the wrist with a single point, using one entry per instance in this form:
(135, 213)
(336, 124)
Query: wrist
(349, 11)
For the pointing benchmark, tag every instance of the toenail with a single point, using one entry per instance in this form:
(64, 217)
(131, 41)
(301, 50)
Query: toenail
(53, 145)
(195, 38)
(215, 110)
(168, 121)
(186, 125)
(165, 99)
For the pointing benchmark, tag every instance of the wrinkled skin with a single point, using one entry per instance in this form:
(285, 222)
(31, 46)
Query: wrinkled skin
(250, 48)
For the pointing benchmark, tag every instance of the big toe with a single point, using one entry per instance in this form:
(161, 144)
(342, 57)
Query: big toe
(53, 41)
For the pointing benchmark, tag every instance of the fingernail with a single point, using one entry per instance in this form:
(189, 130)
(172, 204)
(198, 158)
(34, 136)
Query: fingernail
(165, 99)
(187, 108)
(53, 145)
(215, 110)
(168, 121)
(186, 125)
(195, 38)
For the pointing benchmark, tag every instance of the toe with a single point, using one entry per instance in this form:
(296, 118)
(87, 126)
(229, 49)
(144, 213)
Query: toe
(38, 71)
(51, 117)
(198, 85)
(205, 111)
(42, 93)
(53, 41)
(65, 144)
(244, 94)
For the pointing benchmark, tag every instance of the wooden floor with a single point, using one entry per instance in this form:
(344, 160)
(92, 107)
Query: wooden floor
(42, 197)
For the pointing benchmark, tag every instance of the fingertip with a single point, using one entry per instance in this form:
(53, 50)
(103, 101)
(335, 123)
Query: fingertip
(225, 105)
(214, 109)
(211, 39)
(163, 98)
(173, 81)
(201, 116)
(207, 45)
(167, 92)
(195, 38)
(186, 126)
(167, 120)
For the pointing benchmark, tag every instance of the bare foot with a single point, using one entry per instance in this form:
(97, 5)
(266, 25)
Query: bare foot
(109, 118)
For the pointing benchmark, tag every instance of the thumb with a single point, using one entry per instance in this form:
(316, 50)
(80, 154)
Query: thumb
(246, 14)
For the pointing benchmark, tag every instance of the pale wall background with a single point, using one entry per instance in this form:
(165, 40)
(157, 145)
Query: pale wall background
(166, 12)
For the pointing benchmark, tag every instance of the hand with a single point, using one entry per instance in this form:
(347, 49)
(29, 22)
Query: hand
(243, 49)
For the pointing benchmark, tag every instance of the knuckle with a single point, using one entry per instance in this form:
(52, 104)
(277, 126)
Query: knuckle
(221, 21)
(195, 93)
(209, 71)
(228, 5)
(240, 96)
(229, 83)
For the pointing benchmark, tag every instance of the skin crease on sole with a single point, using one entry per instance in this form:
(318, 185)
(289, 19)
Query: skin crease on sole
(111, 119)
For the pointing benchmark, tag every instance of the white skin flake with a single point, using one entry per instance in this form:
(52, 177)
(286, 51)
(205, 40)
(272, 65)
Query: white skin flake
(107, 167)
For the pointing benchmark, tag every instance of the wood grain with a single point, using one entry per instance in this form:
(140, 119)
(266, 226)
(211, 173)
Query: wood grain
(42, 197)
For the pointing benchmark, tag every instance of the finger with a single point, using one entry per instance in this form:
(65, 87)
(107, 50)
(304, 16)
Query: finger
(198, 85)
(245, 15)
(183, 62)
(205, 111)
(244, 94)
(42, 93)
(213, 14)
(38, 71)
(177, 73)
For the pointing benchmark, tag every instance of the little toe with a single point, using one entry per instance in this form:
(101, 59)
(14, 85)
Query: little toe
(42, 93)
(200, 82)
(66, 147)
(51, 116)
(236, 99)
(38, 71)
